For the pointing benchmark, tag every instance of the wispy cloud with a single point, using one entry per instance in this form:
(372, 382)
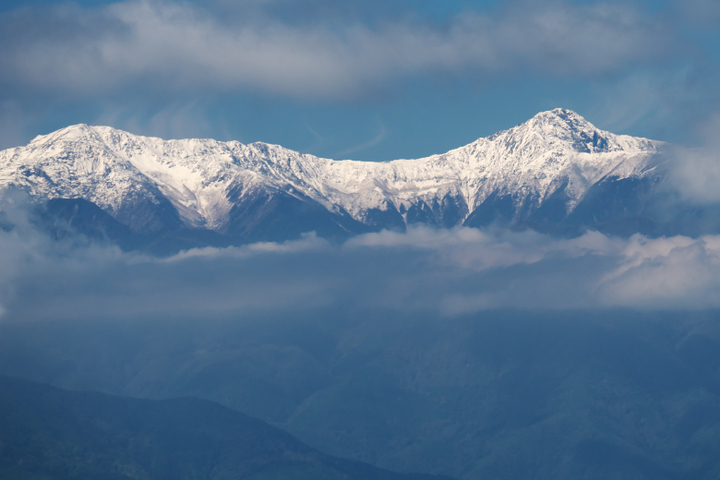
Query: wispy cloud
(365, 145)
(701, 12)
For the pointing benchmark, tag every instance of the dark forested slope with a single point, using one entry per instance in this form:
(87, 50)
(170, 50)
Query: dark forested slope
(48, 433)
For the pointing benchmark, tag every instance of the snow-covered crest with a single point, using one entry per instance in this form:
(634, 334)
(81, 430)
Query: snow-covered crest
(204, 178)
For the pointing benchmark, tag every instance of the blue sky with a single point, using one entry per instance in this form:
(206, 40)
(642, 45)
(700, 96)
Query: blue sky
(367, 80)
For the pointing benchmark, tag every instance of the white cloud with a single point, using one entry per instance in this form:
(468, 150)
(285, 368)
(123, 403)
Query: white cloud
(677, 272)
(695, 172)
(449, 272)
(477, 250)
(179, 46)
(308, 242)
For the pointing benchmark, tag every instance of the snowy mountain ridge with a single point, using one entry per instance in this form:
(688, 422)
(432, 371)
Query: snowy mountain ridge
(204, 179)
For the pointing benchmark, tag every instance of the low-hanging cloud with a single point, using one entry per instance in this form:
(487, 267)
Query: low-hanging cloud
(161, 45)
(442, 272)
(695, 172)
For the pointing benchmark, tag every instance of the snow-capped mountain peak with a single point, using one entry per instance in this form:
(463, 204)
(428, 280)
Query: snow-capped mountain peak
(209, 183)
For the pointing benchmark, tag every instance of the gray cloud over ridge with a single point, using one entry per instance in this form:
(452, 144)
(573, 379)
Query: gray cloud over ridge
(184, 47)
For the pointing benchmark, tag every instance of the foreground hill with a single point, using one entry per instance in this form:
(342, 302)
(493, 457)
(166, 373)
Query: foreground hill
(556, 173)
(500, 395)
(48, 433)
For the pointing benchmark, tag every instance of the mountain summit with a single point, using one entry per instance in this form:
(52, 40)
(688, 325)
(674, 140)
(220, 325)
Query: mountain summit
(536, 173)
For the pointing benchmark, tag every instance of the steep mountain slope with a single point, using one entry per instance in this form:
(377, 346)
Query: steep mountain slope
(263, 191)
(54, 434)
